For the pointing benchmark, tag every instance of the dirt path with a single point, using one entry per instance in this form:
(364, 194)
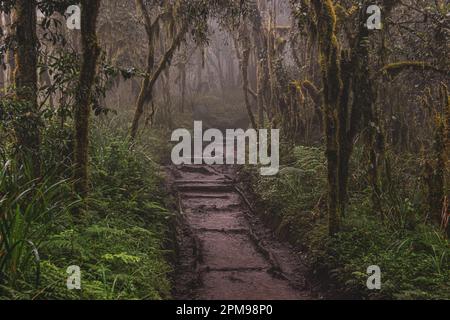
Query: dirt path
(225, 251)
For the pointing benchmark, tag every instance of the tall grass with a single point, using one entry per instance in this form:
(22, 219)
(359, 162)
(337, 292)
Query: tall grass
(28, 207)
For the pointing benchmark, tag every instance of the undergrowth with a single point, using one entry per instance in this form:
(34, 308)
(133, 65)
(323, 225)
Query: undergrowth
(413, 255)
(118, 241)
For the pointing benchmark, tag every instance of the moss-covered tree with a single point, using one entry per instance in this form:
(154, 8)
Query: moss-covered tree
(153, 72)
(332, 89)
(83, 98)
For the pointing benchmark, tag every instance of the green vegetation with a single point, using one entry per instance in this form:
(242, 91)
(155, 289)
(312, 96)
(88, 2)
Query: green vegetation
(84, 124)
(414, 257)
(119, 240)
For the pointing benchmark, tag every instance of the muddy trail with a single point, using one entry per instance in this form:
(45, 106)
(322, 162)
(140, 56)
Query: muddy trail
(225, 250)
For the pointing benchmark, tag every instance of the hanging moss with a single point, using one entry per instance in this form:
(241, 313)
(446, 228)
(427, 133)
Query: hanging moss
(394, 69)
(312, 90)
(341, 13)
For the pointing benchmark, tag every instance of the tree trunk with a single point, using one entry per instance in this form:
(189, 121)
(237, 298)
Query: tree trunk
(260, 92)
(364, 98)
(332, 83)
(91, 52)
(143, 92)
(146, 91)
(149, 28)
(183, 77)
(354, 77)
(271, 107)
(219, 70)
(183, 88)
(9, 54)
(436, 171)
(25, 77)
(262, 70)
(200, 66)
(244, 60)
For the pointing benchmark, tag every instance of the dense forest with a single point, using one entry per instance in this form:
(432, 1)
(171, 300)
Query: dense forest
(93, 206)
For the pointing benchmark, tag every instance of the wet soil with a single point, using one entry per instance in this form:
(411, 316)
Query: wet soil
(225, 251)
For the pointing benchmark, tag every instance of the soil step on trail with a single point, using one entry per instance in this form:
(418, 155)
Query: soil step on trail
(225, 251)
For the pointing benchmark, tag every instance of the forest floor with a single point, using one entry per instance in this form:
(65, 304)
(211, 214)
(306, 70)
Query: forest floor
(225, 251)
